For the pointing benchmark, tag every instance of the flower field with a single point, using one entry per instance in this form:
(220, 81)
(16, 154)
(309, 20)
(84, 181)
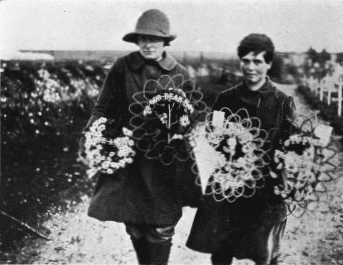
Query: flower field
(43, 109)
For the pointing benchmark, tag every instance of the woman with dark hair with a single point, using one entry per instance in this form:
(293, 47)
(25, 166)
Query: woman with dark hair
(147, 195)
(249, 227)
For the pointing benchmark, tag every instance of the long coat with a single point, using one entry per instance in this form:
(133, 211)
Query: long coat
(145, 191)
(235, 224)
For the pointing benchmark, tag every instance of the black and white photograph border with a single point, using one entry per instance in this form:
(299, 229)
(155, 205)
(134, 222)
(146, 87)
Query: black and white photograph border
(55, 56)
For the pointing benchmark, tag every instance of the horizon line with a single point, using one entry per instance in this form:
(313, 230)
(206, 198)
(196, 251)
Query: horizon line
(172, 51)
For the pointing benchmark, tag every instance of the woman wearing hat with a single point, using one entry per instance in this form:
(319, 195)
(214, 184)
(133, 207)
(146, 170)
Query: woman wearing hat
(147, 196)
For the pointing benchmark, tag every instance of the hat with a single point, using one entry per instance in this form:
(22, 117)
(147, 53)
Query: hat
(152, 22)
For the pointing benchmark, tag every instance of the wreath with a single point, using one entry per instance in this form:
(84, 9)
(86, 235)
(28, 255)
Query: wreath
(240, 157)
(309, 159)
(104, 152)
(164, 114)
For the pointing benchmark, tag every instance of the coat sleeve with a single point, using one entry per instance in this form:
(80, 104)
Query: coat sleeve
(286, 129)
(290, 109)
(109, 98)
(289, 115)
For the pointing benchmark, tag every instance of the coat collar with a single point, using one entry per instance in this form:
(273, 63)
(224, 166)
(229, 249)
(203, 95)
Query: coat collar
(136, 61)
(265, 90)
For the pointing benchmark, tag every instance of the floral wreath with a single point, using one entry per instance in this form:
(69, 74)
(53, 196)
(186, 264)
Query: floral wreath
(105, 153)
(308, 160)
(164, 114)
(240, 162)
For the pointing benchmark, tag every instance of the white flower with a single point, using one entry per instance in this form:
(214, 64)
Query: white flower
(102, 159)
(283, 193)
(241, 162)
(221, 159)
(147, 110)
(127, 132)
(291, 167)
(105, 164)
(232, 142)
(214, 138)
(184, 120)
(163, 118)
(248, 148)
(177, 136)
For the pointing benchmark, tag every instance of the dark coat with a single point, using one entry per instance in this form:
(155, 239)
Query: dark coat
(219, 222)
(145, 191)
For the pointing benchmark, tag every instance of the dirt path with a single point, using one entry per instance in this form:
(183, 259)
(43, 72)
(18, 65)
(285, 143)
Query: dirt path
(316, 238)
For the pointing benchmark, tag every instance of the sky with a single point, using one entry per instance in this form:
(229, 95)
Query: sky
(200, 25)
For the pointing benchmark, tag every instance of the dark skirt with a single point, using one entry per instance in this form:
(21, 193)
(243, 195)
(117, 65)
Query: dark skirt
(259, 244)
(146, 192)
(246, 229)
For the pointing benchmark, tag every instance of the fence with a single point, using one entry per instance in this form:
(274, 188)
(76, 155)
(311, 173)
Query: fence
(331, 86)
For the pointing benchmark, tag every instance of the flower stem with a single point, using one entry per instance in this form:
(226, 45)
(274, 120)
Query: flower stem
(25, 225)
(169, 122)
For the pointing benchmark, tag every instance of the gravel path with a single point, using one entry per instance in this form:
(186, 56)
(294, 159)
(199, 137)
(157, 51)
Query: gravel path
(316, 238)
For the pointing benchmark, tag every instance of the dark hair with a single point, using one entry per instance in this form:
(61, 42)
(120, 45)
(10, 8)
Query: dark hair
(257, 43)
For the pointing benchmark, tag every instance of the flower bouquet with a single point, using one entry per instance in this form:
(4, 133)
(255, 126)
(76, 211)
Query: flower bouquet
(240, 157)
(104, 152)
(164, 114)
(310, 161)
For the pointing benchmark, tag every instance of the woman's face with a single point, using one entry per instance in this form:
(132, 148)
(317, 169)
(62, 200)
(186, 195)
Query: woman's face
(254, 68)
(151, 47)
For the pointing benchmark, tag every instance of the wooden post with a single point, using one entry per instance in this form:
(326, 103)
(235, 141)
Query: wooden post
(331, 87)
(313, 85)
(339, 98)
(321, 89)
(318, 87)
(310, 82)
(324, 86)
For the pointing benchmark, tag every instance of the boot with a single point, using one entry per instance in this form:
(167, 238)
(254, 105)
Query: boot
(274, 261)
(142, 250)
(159, 252)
